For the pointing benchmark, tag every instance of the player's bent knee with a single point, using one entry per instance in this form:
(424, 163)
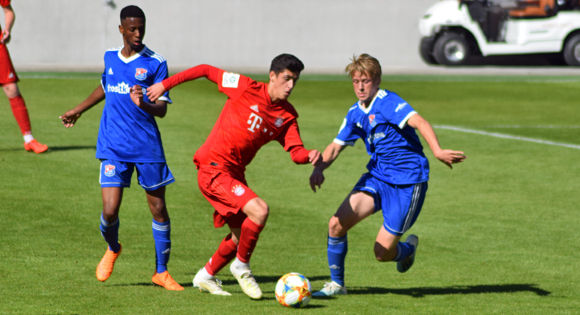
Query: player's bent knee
(257, 210)
(335, 229)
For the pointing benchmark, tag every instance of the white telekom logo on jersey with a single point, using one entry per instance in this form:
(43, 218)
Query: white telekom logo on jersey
(121, 88)
(254, 121)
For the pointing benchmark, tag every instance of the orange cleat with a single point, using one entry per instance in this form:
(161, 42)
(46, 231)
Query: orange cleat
(164, 279)
(105, 267)
(35, 146)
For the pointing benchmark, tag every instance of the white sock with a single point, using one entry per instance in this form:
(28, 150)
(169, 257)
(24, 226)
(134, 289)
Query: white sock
(240, 264)
(204, 274)
(28, 138)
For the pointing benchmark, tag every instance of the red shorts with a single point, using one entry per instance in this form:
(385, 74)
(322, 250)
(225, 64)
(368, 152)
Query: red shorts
(7, 72)
(228, 195)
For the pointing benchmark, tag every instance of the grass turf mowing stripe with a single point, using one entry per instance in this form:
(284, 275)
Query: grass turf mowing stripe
(499, 135)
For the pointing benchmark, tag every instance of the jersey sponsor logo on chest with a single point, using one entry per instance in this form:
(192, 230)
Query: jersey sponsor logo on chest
(140, 74)
(256, 123)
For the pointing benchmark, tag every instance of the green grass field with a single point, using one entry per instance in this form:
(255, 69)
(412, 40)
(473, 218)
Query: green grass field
(498, 234)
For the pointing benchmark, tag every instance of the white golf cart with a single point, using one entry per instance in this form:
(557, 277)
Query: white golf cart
(455, 30)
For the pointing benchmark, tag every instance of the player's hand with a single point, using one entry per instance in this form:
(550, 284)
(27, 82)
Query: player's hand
(449, 157)
(316, 179)
(155, 91)
(5, 37)
(314, 157)
(70, 118)
(136, 94)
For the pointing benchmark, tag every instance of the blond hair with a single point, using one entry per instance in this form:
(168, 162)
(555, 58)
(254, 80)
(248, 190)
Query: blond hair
(365, 64)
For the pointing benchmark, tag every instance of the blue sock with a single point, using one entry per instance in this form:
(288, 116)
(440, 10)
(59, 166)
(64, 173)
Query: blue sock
(161, 236)
(404, 250)
(110, 232)
(336, 251)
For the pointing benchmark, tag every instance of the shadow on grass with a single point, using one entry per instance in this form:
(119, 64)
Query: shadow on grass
(473, 289)
(73, 147)
(53, 149)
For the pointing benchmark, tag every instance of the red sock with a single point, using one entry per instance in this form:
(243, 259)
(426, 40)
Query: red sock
(20, 113)
(222, 257)
(248, 239)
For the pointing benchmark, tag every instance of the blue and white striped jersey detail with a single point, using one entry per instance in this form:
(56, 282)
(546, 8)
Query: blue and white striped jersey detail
(395, 149)
(127, 133)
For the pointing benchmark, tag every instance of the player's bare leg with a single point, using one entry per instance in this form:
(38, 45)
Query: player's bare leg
(161, 234)
(257, 211)
(386, 245)
(112, 197)
(388, 248)
(355, 207)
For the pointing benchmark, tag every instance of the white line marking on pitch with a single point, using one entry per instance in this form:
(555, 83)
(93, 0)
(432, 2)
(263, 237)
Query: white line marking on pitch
(499, 135)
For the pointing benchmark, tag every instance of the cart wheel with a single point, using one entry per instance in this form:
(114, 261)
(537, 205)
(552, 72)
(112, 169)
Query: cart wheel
(451, 49)
(572, 51)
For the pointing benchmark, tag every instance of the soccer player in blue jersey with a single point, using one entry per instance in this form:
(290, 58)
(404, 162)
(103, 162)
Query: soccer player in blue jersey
(397, 176)
(129, 139)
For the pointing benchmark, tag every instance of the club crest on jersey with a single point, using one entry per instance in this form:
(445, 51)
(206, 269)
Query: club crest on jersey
(372, 120)
(238, 190)
(140, 74)
(109, 170)
(279, 122)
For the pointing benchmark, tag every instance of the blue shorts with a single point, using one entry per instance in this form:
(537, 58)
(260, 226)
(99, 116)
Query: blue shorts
(151, 176)
(401, 204)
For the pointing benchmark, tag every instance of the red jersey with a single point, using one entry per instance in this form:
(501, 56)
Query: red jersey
(248, 120)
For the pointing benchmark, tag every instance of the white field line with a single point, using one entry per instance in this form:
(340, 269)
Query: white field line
(499, 135)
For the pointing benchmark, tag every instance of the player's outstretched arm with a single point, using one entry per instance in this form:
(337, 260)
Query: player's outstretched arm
(156, 90)
(70, 117)
(448, 157)
(328, 156)
(9, 18)
(159, 108)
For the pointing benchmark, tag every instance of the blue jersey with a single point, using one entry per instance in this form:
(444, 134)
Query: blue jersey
(396, 152)
(128, 133)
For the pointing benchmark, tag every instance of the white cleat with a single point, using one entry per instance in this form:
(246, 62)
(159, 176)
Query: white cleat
(407, 263)
(247, 281)
(330, 289)
(212, 285)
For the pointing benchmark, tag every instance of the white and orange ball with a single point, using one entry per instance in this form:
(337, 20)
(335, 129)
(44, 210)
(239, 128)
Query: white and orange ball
(293, 290)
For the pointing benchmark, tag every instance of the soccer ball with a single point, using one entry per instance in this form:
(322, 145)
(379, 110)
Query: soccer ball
(293, 290)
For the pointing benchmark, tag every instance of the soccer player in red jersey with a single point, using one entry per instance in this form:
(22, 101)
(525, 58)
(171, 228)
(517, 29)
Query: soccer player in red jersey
(254, 114)
(8, 80)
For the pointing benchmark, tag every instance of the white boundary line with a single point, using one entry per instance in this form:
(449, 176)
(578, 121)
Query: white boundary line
(499, 135)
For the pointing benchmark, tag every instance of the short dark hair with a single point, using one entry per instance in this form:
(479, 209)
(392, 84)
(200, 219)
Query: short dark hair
(286, 61)
(132, 11)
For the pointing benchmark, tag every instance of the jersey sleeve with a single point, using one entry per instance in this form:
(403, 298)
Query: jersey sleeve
(233, 84)
(290, 137)
(399, 112)
(211, 73)
(4, 3)
(160, 75)
(346, 133)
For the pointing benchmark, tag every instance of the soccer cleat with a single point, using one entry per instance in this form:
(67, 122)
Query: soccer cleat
(330, 289)
(212, 285)
(407, 263)
(105, 267)
(35, 146)
(247, 281)
(165, 280)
